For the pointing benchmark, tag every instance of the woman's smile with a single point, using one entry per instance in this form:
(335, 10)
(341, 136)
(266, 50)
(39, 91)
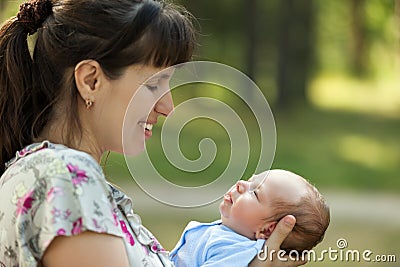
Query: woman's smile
(147, 128)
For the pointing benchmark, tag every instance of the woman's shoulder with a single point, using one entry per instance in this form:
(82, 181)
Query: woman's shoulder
(54, 190)
(52, 157)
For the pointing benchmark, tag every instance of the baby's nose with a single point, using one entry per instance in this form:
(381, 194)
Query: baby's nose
(242, 186)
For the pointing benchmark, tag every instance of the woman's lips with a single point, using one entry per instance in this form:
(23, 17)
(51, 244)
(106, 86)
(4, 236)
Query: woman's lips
(147, 134)
(147, 127)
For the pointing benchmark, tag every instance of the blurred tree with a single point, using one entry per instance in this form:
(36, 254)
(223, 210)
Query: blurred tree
(397, 19)
(241, 33)
(397, 10)
(295, 47)
(2, 7)
(281, 43)
(5, 6)
(221, 25)
(358, 37)
(251, 36)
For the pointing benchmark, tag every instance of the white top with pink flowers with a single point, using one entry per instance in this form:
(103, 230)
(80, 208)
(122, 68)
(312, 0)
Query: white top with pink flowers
(50, 190)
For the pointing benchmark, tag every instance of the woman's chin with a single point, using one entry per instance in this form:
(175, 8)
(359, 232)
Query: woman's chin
(133, 150)
(133, 146)
(136, 152)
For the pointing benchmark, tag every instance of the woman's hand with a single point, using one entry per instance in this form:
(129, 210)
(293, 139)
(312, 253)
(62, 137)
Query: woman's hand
(283, 228)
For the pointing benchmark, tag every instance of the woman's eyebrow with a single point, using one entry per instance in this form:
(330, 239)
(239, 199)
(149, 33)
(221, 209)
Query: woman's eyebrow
(165, 76)
(160, 76)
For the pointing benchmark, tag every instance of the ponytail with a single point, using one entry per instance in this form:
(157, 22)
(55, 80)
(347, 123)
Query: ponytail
(15, 85)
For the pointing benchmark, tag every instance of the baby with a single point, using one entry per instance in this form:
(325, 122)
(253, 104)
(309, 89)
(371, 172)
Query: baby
(250, 211)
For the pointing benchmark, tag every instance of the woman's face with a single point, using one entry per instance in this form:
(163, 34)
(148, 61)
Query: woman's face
(131, 106)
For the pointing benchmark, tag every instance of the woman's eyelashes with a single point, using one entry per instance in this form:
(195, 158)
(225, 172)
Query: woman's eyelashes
(152, 84)
(152, 87)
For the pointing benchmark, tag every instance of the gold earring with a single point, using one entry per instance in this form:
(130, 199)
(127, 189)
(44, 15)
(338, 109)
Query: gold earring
(88, 103)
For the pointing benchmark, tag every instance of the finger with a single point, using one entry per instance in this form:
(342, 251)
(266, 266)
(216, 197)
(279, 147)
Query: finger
(292, 263)
(282, 229)
(298, 263)
(301, 262)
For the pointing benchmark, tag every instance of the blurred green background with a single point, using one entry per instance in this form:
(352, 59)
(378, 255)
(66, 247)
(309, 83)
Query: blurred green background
(330, 71)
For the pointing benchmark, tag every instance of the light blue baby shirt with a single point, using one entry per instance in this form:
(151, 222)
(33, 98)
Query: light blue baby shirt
(214, 245)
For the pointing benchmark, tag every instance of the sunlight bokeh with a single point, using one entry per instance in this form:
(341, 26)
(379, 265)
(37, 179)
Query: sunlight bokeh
(373, 97)
(369, 152)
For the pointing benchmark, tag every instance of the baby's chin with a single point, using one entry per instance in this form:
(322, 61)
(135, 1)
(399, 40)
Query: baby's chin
(222, 212)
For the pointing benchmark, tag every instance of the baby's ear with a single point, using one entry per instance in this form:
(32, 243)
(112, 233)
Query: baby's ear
(266, 231)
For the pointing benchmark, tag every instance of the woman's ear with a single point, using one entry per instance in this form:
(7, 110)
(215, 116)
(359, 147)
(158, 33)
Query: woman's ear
(88, 78)
(266, 230)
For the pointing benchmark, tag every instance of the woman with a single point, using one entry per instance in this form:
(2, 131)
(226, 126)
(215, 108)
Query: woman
(62, 105)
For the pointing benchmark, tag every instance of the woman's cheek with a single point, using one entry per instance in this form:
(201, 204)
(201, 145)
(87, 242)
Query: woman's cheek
(134, 142)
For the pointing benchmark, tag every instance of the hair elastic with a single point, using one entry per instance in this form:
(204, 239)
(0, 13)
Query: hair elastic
(33, 13)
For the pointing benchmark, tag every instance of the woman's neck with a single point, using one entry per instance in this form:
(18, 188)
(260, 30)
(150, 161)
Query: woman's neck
(57, 133)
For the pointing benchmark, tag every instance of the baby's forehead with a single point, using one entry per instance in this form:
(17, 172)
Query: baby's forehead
(258, 177)
(284, 181)
(279, 175)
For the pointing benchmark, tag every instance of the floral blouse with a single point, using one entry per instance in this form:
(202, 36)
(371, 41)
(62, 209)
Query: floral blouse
(50, 190)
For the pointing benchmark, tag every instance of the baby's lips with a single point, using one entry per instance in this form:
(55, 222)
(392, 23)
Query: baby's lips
(228, 197)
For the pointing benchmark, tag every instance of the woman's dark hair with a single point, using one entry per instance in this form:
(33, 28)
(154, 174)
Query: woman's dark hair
(115, 33)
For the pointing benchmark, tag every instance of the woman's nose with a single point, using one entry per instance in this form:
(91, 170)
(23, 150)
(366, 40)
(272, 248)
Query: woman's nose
(165, 104)
(242, 186)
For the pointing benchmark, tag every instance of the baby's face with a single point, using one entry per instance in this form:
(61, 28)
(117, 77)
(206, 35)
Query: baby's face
(248, 203)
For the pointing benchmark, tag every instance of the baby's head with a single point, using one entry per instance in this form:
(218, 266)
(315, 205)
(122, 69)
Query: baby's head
(253, 208)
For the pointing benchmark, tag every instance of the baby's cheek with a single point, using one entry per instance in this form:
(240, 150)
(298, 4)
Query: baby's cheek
(240, 213)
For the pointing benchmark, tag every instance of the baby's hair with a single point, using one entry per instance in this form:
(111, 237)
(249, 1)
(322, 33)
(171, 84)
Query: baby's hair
(312, 219)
